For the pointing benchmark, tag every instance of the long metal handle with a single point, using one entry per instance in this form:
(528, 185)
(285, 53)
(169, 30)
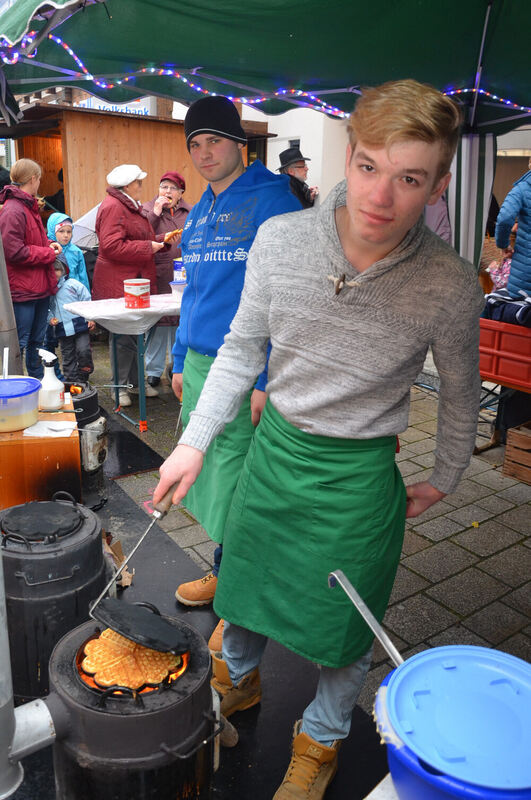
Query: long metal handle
(338, 576)
(160, 510)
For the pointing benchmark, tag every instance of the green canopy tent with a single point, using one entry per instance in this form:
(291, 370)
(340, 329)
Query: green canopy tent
(279, 54)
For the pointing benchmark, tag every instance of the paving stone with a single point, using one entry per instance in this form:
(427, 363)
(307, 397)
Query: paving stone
(201, 563)
(494, 503)
(457, 634)
(175, 519)
(519, 493)
(518, 645)
(476, 466)
(142, 484)
(467, 515)
(408, 468)
(496, 622)
(403, 454)
(418, 618)
(370, 687)
(413, 543)
(467, 591)
(422, 446)
(439, 561)
(512, 566)
(439, 528)
(206, 550)
(418, 477)
(494, 479)
(436, 510)
(412, 435)
(406, 583)
(518, 518)
(467, 492)
(425, 459)
(380, 654)
(188, 537)
(428, 427)
(489, 538)
(520, 599)
(416, 415)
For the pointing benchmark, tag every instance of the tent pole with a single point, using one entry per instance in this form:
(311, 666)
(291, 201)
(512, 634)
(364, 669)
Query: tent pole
(8, 327)
(480, 65)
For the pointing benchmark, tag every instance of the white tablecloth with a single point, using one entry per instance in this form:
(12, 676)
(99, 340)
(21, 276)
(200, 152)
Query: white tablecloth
(113, 315)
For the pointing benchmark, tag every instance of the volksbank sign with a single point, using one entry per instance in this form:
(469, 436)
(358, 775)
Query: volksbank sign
(144, 107)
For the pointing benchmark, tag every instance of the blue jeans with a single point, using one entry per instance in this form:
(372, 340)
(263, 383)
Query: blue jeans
(217, 559)
(328, 716)
(31, 318)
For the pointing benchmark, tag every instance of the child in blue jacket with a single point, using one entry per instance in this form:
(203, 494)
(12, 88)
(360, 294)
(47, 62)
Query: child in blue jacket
(71, 331)
(60, 229)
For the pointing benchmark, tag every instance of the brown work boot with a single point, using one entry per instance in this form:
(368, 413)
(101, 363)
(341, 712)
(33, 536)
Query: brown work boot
(235, 698)
(215, 643)
(197, 593)
(312, 767)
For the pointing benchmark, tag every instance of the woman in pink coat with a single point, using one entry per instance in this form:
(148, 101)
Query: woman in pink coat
(29, 259)
(127, 247)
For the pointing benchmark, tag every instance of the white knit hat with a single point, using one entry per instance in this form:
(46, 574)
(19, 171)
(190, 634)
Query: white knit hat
(125, 174)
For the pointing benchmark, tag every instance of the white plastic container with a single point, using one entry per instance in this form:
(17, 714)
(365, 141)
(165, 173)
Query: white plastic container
(18, 403)
(52, 393)
(177, 287)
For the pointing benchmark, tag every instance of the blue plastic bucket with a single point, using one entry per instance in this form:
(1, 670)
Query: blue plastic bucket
(457, 724)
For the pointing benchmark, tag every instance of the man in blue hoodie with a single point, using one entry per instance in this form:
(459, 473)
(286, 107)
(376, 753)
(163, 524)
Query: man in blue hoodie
(218, 234)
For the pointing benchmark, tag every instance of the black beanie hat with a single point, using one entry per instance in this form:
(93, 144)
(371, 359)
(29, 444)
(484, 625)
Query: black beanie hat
(214, 114)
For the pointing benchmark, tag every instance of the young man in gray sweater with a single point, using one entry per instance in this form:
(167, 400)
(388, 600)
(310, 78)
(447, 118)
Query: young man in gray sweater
(351, 296)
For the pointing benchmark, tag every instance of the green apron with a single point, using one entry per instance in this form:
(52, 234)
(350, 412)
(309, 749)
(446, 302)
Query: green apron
(306, 505)
(210, 497)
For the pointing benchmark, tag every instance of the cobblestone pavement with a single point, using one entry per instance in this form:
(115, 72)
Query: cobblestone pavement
(466, 562)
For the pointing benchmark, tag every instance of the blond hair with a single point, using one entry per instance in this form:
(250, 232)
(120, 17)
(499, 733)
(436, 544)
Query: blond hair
(23, 171)
(407, 109)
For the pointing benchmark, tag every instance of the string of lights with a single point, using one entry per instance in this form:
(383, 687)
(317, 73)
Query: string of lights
(10, 55)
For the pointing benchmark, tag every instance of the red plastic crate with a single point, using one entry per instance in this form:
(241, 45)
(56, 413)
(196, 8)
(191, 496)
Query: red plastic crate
(505, 354)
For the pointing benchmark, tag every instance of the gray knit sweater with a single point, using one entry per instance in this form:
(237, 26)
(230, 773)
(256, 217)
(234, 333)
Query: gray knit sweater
(343, 364)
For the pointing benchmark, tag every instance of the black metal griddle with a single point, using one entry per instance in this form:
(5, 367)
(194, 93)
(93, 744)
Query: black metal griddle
(141, 623)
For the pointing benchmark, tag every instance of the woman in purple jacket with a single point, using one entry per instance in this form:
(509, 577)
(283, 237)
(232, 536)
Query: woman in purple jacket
(166, 212)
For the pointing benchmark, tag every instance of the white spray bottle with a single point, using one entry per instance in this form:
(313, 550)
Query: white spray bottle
(52, 393)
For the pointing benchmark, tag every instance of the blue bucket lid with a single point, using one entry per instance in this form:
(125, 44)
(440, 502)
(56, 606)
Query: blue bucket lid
(466, 711)
(178, 282)
(18, 387)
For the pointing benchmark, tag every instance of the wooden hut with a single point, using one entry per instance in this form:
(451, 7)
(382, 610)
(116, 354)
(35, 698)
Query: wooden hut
(87, 144)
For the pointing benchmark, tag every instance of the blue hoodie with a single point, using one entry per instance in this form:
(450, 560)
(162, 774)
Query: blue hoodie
(72, 253)
(517, 204)
(216, 240)
(69, 290)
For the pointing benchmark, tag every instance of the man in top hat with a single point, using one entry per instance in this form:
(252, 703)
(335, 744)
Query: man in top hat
(217, 237)
(293, 163)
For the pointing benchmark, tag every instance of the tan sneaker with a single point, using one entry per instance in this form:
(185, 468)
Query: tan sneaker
(215, 643)
(235, 698)
(197, 593)
(311, 769)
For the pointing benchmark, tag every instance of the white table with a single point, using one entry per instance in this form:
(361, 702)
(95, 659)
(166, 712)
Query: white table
(116, 318)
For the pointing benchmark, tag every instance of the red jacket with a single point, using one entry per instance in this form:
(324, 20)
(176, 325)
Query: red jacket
(168, 221)
(125, 237)
(29, 257)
